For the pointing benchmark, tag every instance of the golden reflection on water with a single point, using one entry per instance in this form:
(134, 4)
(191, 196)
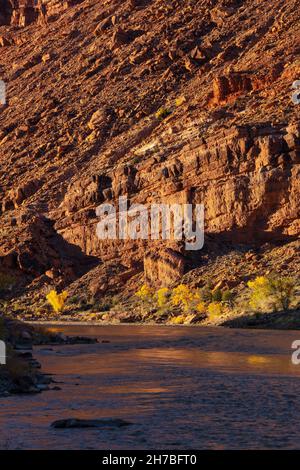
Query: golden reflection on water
(259, 360)
(121, 363)
(224, 361)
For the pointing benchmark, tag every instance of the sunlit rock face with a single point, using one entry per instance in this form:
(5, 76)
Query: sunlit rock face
(242, 176)
(85, 84)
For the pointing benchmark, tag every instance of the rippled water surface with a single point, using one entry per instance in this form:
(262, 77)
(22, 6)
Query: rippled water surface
(182, 387)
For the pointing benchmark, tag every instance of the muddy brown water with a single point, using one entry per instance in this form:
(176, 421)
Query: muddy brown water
(181, 387)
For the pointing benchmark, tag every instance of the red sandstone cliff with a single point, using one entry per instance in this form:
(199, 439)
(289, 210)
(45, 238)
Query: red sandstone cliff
(85, 80)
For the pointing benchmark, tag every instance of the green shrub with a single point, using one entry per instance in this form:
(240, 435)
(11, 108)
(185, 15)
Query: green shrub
(6, 281)
(284, 291)
(217, 295)
(75, 299)
(227, 296)
(162, 113)
(206, 294)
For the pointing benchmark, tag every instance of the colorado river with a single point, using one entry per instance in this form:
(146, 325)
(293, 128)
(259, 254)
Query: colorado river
(181, 387)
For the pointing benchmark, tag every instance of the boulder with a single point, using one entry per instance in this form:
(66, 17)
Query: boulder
(119, 38)
(163, 268)
(89, 423)
(227, 87)
(4, 41)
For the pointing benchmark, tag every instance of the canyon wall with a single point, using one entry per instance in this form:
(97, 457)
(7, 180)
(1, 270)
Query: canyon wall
(247, 178)
(159, 101)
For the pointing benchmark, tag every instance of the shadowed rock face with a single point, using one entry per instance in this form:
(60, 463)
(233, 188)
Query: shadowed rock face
(18, 12)
(25, 12)
(85, 81)
(6, 10)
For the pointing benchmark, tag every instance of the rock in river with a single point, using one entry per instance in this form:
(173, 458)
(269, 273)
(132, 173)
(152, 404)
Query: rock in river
(89, 423)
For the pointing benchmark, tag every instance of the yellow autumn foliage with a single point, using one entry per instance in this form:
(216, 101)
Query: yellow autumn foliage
(260, 281)
(182, 296)
(180, 101)
(276, 293)
(57, 301)
(145, 293)
(214, 310)
(185, 300)
(201, 307)
(162, 298)
(179, 320)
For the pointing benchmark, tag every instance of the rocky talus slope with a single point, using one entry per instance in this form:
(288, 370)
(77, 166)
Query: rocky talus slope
(85, 80)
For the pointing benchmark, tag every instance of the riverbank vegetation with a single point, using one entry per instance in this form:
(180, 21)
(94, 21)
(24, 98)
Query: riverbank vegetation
(262, 297)
(183, 304)
(259, 299)
(265, 295)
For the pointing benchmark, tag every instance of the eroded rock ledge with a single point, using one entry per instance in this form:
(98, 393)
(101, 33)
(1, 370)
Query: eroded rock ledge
(25, 12)
(247, 178)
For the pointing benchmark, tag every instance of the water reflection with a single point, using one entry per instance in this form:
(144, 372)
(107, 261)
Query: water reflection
(182, 387)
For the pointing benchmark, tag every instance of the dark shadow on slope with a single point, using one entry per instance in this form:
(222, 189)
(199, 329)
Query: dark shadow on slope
(282, 320)
(239, 240)
(45, 256)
